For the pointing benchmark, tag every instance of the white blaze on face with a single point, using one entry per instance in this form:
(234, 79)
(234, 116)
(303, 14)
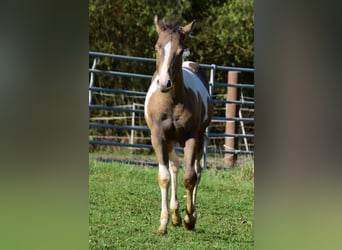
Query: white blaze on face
(164, 76)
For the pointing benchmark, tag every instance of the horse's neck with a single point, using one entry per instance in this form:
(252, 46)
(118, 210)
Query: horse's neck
(178, 91)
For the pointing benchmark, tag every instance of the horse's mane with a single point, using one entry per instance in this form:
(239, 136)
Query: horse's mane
(172, 26)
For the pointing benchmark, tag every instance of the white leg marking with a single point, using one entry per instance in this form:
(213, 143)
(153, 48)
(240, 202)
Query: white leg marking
(174, 166)
(164, 177)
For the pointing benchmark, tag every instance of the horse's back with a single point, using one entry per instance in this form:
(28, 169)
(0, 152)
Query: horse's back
(198, 71)
(195, 80)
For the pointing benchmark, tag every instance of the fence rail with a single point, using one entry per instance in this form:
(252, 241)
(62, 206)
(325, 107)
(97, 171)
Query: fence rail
(97, 56)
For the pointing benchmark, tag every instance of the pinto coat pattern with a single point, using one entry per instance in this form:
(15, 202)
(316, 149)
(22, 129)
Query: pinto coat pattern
(178, 109)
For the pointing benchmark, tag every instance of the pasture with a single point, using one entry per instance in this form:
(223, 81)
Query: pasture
(125, 209)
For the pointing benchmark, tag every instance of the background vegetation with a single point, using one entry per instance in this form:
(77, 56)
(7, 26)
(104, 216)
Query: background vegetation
(223, 34)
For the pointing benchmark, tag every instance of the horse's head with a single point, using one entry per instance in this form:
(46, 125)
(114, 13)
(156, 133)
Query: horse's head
(169, 49)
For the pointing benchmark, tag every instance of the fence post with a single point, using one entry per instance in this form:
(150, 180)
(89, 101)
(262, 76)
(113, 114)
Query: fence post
(230, 113)
(132, 124)
(91, 81)
(206, 140)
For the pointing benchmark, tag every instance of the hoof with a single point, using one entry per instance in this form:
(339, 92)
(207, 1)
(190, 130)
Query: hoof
(189, 222)
(162, 230)
(176, 219)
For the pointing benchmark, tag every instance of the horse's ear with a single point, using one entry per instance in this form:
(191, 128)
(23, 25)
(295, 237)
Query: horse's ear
(186, 30)
(159, 24)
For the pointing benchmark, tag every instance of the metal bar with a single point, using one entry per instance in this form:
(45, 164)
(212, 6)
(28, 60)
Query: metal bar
(143, 59)
(243, 102)
(118, 73)
(118, 91)
(115, 109)
(242, 125)
(227, 68)
(145, 128)
(128, 161)
(237, 85)
(218, 118)
(122, 57)
(102, 125)
(218, 151)
(91, 82)
(132, 124)
(120, 144)
(216, 135)
(206, 140)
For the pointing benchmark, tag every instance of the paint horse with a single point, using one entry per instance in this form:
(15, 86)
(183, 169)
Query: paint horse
(178, 109)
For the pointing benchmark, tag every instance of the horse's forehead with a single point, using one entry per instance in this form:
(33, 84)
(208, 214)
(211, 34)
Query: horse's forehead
(166, 37)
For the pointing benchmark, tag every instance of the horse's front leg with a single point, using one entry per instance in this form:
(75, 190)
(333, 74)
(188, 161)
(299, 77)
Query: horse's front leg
(191, 181)
(174, 204)
(160, 148)
(163, 180)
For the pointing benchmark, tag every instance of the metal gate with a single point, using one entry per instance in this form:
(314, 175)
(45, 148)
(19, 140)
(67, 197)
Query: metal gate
(135, 109)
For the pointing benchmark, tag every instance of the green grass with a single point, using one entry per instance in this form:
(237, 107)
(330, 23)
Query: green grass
(125, 208)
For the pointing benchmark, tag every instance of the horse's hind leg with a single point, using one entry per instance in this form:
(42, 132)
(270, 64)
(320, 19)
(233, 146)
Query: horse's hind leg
(192, 179)
(174, 204)
(198, 167)
(198, 170)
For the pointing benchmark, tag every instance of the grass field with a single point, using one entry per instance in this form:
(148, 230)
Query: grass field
(125, 208)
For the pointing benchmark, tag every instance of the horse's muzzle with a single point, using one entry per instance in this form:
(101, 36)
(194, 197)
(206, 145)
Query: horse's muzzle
(165, 87)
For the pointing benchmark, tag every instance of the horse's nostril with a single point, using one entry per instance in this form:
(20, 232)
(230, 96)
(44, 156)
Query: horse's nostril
(169, 84)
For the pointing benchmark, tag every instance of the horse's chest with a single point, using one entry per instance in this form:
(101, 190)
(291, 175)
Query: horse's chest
(180, 122)
(175, 122)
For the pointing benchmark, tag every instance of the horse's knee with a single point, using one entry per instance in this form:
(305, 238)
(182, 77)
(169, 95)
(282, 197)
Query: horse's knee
(190, 179)
(174, 167)
(163, 182)
(163, 176)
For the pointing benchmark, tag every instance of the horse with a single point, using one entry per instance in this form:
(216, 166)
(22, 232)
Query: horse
(177, 110)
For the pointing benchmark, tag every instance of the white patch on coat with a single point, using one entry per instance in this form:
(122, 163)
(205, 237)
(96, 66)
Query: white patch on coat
(186, 64)
(191, 81)
(153, 88)
(163, 172)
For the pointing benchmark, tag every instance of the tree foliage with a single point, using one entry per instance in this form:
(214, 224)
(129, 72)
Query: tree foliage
(223, 32)
(223, 35)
